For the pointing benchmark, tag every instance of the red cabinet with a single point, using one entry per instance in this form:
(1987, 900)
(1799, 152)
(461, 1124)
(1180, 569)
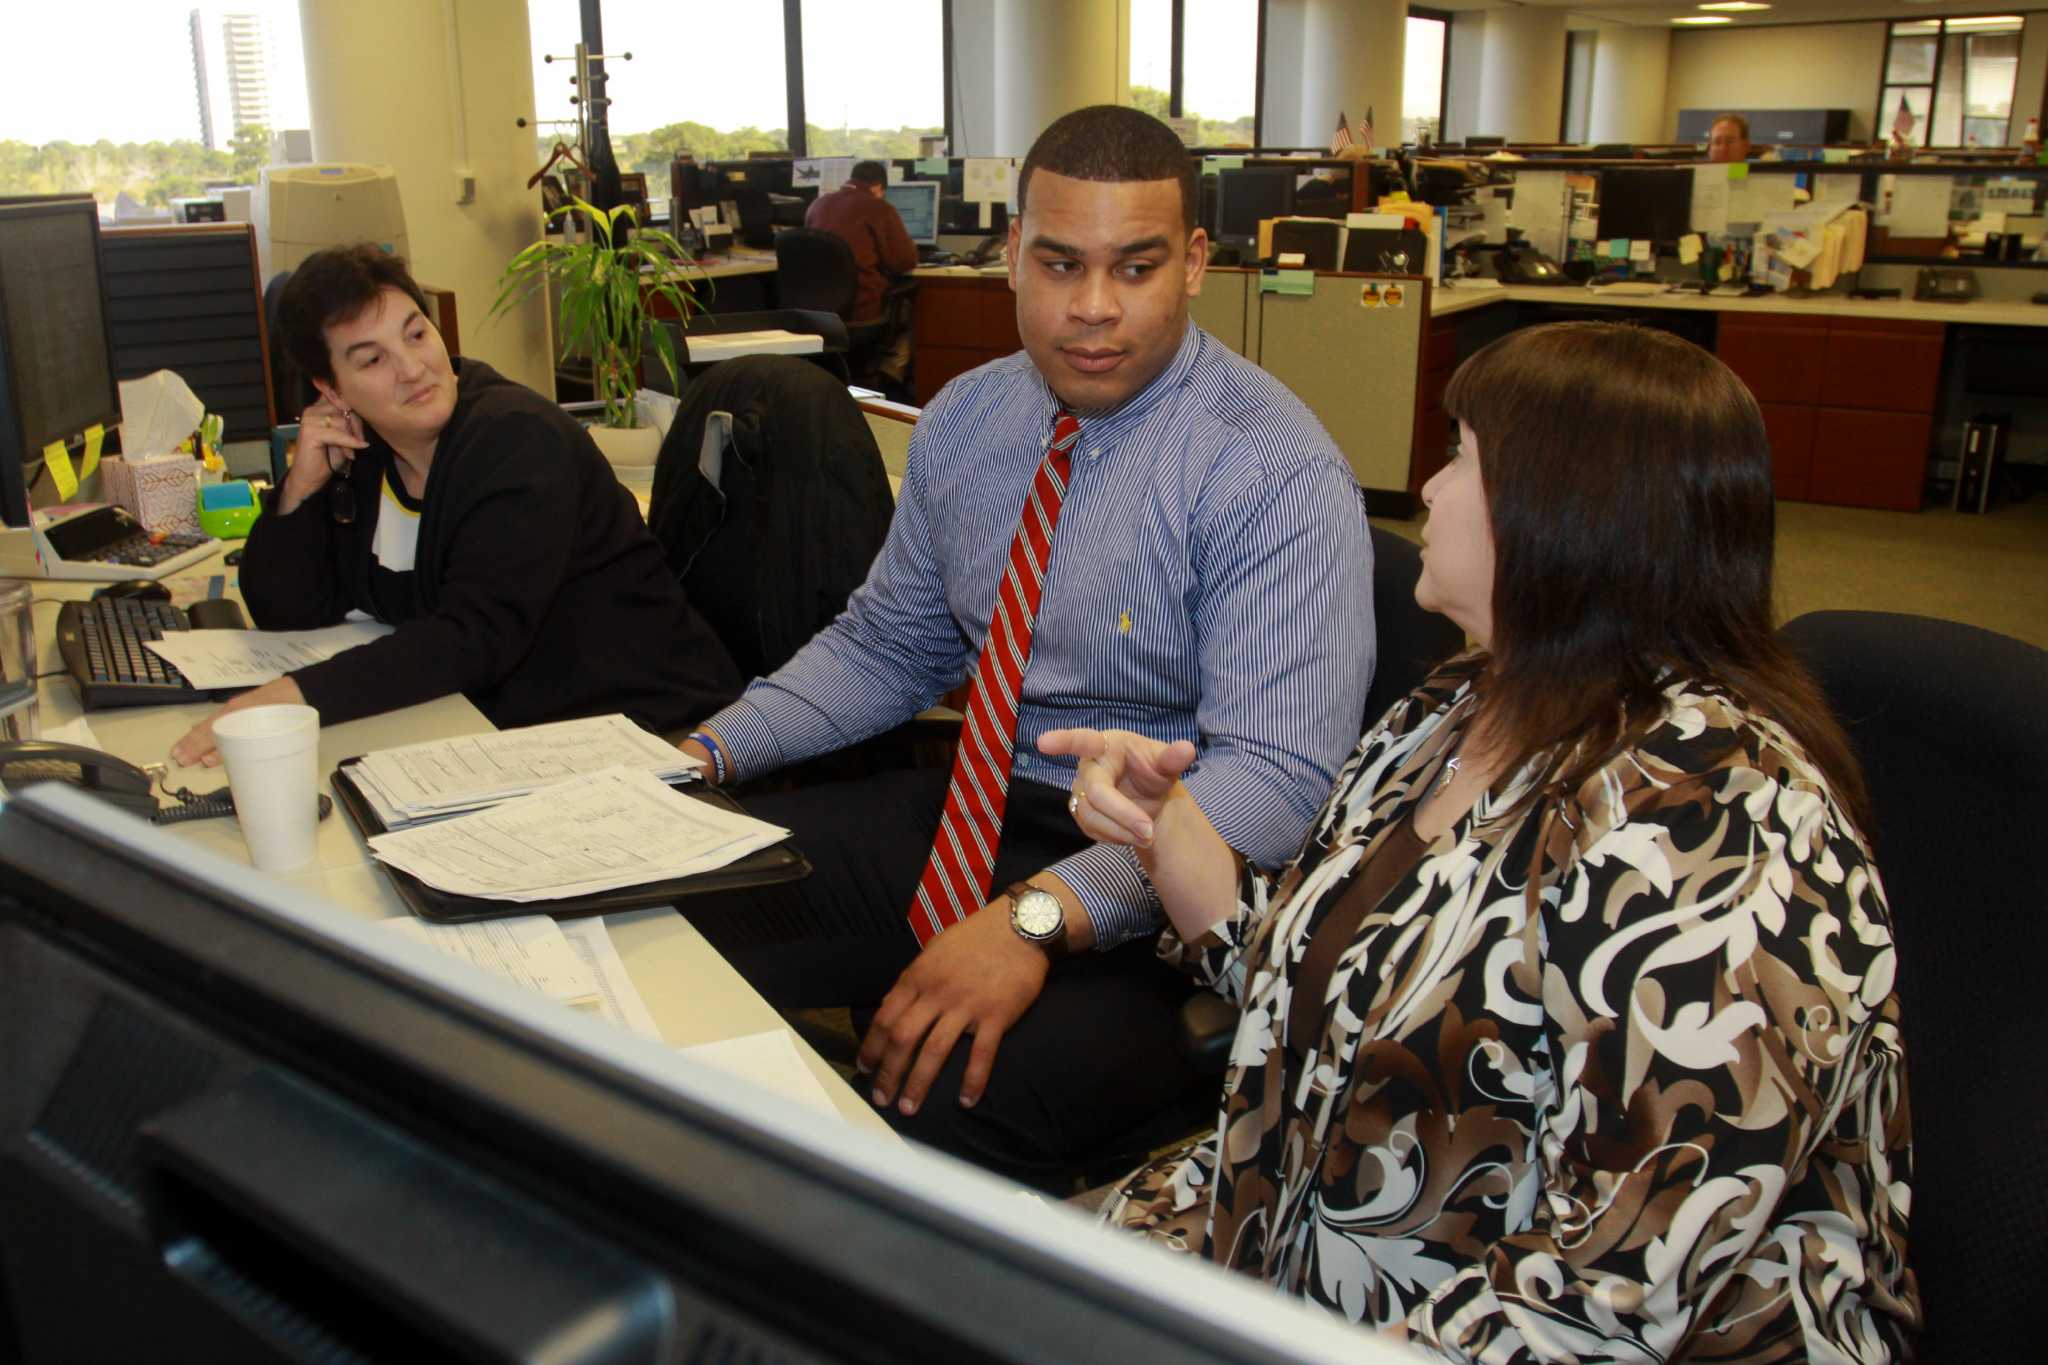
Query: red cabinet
(1848, 403)
(1431, 448)
(958, 323)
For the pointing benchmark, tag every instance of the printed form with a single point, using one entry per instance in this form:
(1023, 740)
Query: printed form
(599, 832)
(249, 658)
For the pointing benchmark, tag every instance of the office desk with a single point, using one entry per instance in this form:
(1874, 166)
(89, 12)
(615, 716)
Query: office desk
(1857, 394)
(693, 994)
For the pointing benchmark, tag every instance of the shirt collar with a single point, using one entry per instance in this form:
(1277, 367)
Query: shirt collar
(1103, 430)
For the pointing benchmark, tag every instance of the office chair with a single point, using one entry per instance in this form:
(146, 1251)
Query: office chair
(827, 327)
(769, 551)
(1411, 643)
(1946, 720)
(816, 270)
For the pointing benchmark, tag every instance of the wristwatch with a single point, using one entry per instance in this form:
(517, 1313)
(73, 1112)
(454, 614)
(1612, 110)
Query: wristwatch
(1038, 917)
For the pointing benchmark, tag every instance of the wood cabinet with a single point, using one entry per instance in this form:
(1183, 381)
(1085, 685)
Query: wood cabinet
(958, 323)
(1432, 424)
(1848, 403)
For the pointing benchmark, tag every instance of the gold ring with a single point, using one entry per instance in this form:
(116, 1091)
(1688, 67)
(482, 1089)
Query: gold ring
(1074, 804)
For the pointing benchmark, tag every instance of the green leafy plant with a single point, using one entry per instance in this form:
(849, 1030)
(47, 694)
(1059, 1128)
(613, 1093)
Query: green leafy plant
(607, 292)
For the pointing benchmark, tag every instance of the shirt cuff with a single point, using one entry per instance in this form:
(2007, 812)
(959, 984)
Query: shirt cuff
(749, 740)
(1114, 891)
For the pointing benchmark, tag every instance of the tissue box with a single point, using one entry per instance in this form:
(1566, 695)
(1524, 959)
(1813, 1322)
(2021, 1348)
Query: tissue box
(160, 490)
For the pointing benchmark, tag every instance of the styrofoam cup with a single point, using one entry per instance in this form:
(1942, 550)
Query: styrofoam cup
(273, 758)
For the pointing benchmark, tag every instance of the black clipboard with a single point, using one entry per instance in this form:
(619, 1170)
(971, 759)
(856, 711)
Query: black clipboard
(770, 866)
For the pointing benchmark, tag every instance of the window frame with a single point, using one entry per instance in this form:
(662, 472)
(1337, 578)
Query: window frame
(1933, 85)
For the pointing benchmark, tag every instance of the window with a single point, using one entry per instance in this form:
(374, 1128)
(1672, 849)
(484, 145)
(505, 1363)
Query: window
(164, 116)
(709, 79)
(1422, 79)
(1949, 82)
(1219, 69)
(1152, 56)
(874, 76)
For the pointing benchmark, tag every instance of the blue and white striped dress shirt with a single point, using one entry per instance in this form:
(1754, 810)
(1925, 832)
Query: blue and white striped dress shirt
(1211, 580)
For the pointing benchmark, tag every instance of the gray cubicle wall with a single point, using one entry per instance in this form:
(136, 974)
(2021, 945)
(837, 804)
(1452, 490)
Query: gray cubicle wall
(188, 299)
(1354, 359)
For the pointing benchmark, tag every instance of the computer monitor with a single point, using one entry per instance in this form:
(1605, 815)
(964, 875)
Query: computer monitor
(1646, 203)
(1245, 196)
(56, 353)
(917, 202)
(237, 1123)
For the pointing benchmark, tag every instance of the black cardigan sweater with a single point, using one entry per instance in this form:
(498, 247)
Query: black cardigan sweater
(536, 590)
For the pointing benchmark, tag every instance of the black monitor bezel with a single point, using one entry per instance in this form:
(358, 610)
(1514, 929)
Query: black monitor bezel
(15, 507)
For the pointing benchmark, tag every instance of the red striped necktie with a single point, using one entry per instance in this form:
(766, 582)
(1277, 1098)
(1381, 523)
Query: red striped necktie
(956, 879)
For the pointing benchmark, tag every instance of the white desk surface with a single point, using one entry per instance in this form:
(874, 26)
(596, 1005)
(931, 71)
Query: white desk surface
(1984, 312)
(693, 994)
(729, 345)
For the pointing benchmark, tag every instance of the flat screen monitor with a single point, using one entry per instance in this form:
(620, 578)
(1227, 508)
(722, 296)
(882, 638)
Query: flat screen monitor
(237, 1123)
(917, 202)
(1646, 203)
(1246, 195)
(56, 353)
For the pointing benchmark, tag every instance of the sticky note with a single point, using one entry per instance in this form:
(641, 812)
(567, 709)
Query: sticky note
(57, 460)
(1302, 282)
(1689, 249)
(931, 165)
(95, 437)
(1617, 249)
(1639, 249)
(1738, 170)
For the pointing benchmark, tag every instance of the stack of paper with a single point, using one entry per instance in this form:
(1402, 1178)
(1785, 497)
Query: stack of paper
(574, 963)
(448, 776)
(617, 828)
(212, 659)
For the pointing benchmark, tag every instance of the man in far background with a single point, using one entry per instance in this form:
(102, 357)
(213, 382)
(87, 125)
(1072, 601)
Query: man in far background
(868, 223)
(1728, 139)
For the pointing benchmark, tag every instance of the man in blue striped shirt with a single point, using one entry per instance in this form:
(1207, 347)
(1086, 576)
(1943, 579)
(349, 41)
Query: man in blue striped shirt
(1209, 580)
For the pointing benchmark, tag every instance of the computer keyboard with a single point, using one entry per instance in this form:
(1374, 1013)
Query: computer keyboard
(101, 642)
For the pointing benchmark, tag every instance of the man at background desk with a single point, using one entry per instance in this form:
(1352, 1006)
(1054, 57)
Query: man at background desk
(857, 213)
(1728, 139)
(1192, 562)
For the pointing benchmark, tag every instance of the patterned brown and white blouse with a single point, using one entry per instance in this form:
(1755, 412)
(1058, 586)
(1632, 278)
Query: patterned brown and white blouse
(1617, 1078)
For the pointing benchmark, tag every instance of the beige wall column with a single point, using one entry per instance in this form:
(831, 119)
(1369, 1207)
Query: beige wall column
(1521, 92)
(1348, 60)
(1631, 67)
(1052, 57)
(432, 89)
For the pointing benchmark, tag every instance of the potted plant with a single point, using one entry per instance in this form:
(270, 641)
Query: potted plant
(606, 290)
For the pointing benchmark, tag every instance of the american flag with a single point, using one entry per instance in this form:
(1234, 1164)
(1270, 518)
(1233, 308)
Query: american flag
(1904, 120)
(1342, 137)
(1365, 130)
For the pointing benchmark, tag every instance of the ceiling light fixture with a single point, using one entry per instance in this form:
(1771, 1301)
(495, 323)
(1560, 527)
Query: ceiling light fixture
(1703, 19)
(1987, 21)
(1735, 6)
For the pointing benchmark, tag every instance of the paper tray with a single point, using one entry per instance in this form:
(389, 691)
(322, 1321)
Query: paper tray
(764, 867)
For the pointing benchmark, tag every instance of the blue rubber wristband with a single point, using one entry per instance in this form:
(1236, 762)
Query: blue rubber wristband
(719, 769)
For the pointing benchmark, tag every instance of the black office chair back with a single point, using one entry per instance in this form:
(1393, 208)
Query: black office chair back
(1947, 721)
(771, 553)
(1411, 641)
(815, 270)
(291, 391)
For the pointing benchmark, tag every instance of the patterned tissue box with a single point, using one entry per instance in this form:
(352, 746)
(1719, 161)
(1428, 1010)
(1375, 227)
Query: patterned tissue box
(161, 490)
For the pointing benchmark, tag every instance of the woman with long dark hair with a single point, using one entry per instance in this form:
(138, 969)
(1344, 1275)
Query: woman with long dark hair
(1570, 1032)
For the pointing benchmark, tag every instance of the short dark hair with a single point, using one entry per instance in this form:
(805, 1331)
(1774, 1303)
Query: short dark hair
(1741, 124)
(1113, 143)
(333, 286)
(869, 173)
(1628, 484)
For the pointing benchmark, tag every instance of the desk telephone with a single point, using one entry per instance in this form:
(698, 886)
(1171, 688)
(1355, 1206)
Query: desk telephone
(1948, 284)
(114, 780)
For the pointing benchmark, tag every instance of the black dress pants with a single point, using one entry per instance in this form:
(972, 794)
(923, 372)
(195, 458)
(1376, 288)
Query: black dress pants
(1090, 1061)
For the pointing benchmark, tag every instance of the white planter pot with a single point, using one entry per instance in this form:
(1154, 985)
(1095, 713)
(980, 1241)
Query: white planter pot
(628, 447)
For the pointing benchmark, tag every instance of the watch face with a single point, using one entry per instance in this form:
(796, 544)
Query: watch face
(1037, 914)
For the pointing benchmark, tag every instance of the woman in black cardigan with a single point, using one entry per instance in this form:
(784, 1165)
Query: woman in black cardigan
(475, 516)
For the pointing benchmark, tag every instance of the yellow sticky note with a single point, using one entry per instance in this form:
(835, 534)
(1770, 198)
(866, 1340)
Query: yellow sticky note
(95, 437)
(1738, 170)
(58, 461)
